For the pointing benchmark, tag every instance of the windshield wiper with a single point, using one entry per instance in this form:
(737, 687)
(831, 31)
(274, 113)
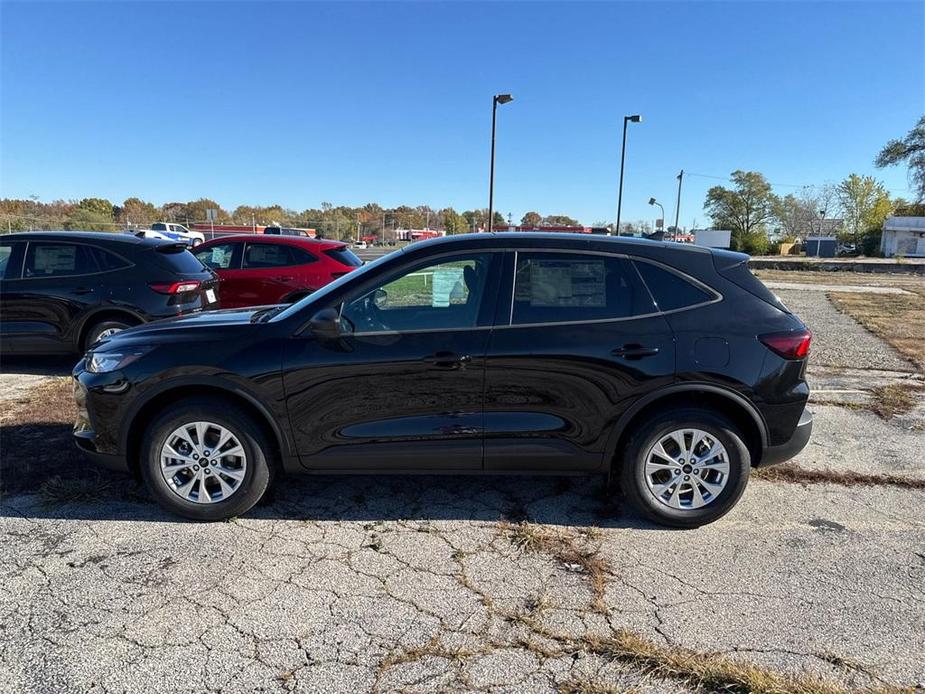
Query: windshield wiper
(263, 315)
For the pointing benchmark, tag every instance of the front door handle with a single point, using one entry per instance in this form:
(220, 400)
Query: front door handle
(449, 360)
(634, 351)
(83, 290)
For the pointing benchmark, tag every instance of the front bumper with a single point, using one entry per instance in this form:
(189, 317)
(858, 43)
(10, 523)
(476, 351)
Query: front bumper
(773, 455)
(86, 436)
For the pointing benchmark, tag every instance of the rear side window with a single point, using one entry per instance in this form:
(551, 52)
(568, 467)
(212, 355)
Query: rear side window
(558, 287)
(671, 291)
(264, 255)
(6, 265)
(109, 261)
(742, 276)
(58, 260)
(176, 258)
(344, 256)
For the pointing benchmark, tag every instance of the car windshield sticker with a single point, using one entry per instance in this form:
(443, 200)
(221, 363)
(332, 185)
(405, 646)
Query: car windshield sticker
(52, 259)
(564, 283)
(448, 284)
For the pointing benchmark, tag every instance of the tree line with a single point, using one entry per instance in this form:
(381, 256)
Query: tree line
(340, 222)
(853, 209)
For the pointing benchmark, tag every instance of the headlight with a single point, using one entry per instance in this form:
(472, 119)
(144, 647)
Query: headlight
(105, 362)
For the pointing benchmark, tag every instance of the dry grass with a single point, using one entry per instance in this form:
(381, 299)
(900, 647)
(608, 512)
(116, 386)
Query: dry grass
(800, 475)
(570, 548)
(584, 685)
(895, 399)
(35, 437)
(899, 320)
(854, 279)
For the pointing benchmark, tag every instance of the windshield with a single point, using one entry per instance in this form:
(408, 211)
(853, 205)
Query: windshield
(332, 287)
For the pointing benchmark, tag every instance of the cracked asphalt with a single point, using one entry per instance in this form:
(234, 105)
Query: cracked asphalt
(349, 584)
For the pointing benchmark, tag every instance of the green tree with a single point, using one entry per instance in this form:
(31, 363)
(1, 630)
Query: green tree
(910, 149)
(531, 219)
(453, 222)
(560, 220)
(83, 219)
(744, 209)
(137, 212)
(99, 206)
(864, 204)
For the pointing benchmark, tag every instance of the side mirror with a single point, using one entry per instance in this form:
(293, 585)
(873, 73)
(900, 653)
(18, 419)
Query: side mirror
(326, 324)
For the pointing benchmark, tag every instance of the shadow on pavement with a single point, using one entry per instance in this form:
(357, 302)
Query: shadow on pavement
(60, 483)
(38, 366)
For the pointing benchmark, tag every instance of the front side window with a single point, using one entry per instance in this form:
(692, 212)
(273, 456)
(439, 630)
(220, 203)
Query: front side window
(442, 295)
(563, 287)
(217, 257)
(6, 252)
(58, 260)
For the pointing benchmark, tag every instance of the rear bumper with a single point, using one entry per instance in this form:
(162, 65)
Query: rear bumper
(778, 454)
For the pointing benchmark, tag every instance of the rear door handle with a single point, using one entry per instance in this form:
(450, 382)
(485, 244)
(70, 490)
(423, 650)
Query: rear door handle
(634, 351)
(83, 290)
(449, 360)
(284, 278)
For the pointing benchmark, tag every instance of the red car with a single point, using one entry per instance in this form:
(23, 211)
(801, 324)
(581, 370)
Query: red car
(255, 269)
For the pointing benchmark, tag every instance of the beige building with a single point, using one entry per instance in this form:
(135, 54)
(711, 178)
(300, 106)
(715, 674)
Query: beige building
(903, 236)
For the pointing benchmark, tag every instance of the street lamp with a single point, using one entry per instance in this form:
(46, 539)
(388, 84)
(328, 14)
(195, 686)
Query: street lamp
(653, 201)
(626, 119)
(495, 100)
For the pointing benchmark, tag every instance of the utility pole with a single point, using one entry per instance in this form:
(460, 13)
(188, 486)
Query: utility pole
(626, 119)
(677, 209)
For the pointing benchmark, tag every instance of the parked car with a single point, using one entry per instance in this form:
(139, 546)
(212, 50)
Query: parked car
(255, 269)
(669, 366)
(62, 291)
(285, 231)
(172, 232)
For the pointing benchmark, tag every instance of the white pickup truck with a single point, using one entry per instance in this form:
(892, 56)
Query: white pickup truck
(172, 232)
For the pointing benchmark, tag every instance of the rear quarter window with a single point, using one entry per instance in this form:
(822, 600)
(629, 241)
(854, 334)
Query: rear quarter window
(671, 291)
(344, 256)
(177, 259)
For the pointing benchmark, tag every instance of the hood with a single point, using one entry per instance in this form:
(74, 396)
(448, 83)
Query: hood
(191, 327)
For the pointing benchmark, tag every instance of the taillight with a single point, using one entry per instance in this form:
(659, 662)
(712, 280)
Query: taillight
(174, 287)
(793, 345)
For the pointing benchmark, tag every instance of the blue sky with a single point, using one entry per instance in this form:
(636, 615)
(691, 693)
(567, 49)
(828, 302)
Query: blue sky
(300, 103)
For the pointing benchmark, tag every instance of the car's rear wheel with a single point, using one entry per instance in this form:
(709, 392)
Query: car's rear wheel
(685, 467)
(102, 330)
(206, 460)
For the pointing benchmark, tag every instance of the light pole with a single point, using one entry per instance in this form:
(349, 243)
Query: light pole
(626, 119)
(495, 100)
(653, 201)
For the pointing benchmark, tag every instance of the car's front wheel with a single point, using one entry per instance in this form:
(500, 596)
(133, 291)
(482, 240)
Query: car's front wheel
(685, 467)
(206, 460)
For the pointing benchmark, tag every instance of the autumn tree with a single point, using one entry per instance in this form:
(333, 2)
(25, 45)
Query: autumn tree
(559, 220)
(911, 150)
(531, 219)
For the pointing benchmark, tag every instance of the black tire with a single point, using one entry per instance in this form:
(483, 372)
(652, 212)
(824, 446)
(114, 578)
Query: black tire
(633, 478)
(97, 329)
(259, 456)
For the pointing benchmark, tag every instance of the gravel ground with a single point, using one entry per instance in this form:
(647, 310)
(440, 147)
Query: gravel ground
(839, 340)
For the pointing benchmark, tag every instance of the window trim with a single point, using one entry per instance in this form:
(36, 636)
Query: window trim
(717, 296)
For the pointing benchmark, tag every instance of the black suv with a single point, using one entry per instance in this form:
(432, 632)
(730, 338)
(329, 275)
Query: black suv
(669, 366)
(62, 291)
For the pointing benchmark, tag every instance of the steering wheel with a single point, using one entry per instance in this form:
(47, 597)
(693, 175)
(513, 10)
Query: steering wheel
(370, 316)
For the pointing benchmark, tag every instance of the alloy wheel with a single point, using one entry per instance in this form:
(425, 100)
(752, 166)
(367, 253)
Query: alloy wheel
(687, 469)
(203, 462)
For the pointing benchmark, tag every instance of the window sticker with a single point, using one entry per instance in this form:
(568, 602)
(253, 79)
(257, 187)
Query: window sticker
(448, 285)
(52, 259)
(557, 283)
(220, 257)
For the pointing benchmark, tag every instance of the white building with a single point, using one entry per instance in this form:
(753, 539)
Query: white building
(903, 236)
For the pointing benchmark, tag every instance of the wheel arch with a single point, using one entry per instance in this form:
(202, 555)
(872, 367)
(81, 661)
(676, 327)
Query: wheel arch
(698, 395)
(175, 392)
(105, 313)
